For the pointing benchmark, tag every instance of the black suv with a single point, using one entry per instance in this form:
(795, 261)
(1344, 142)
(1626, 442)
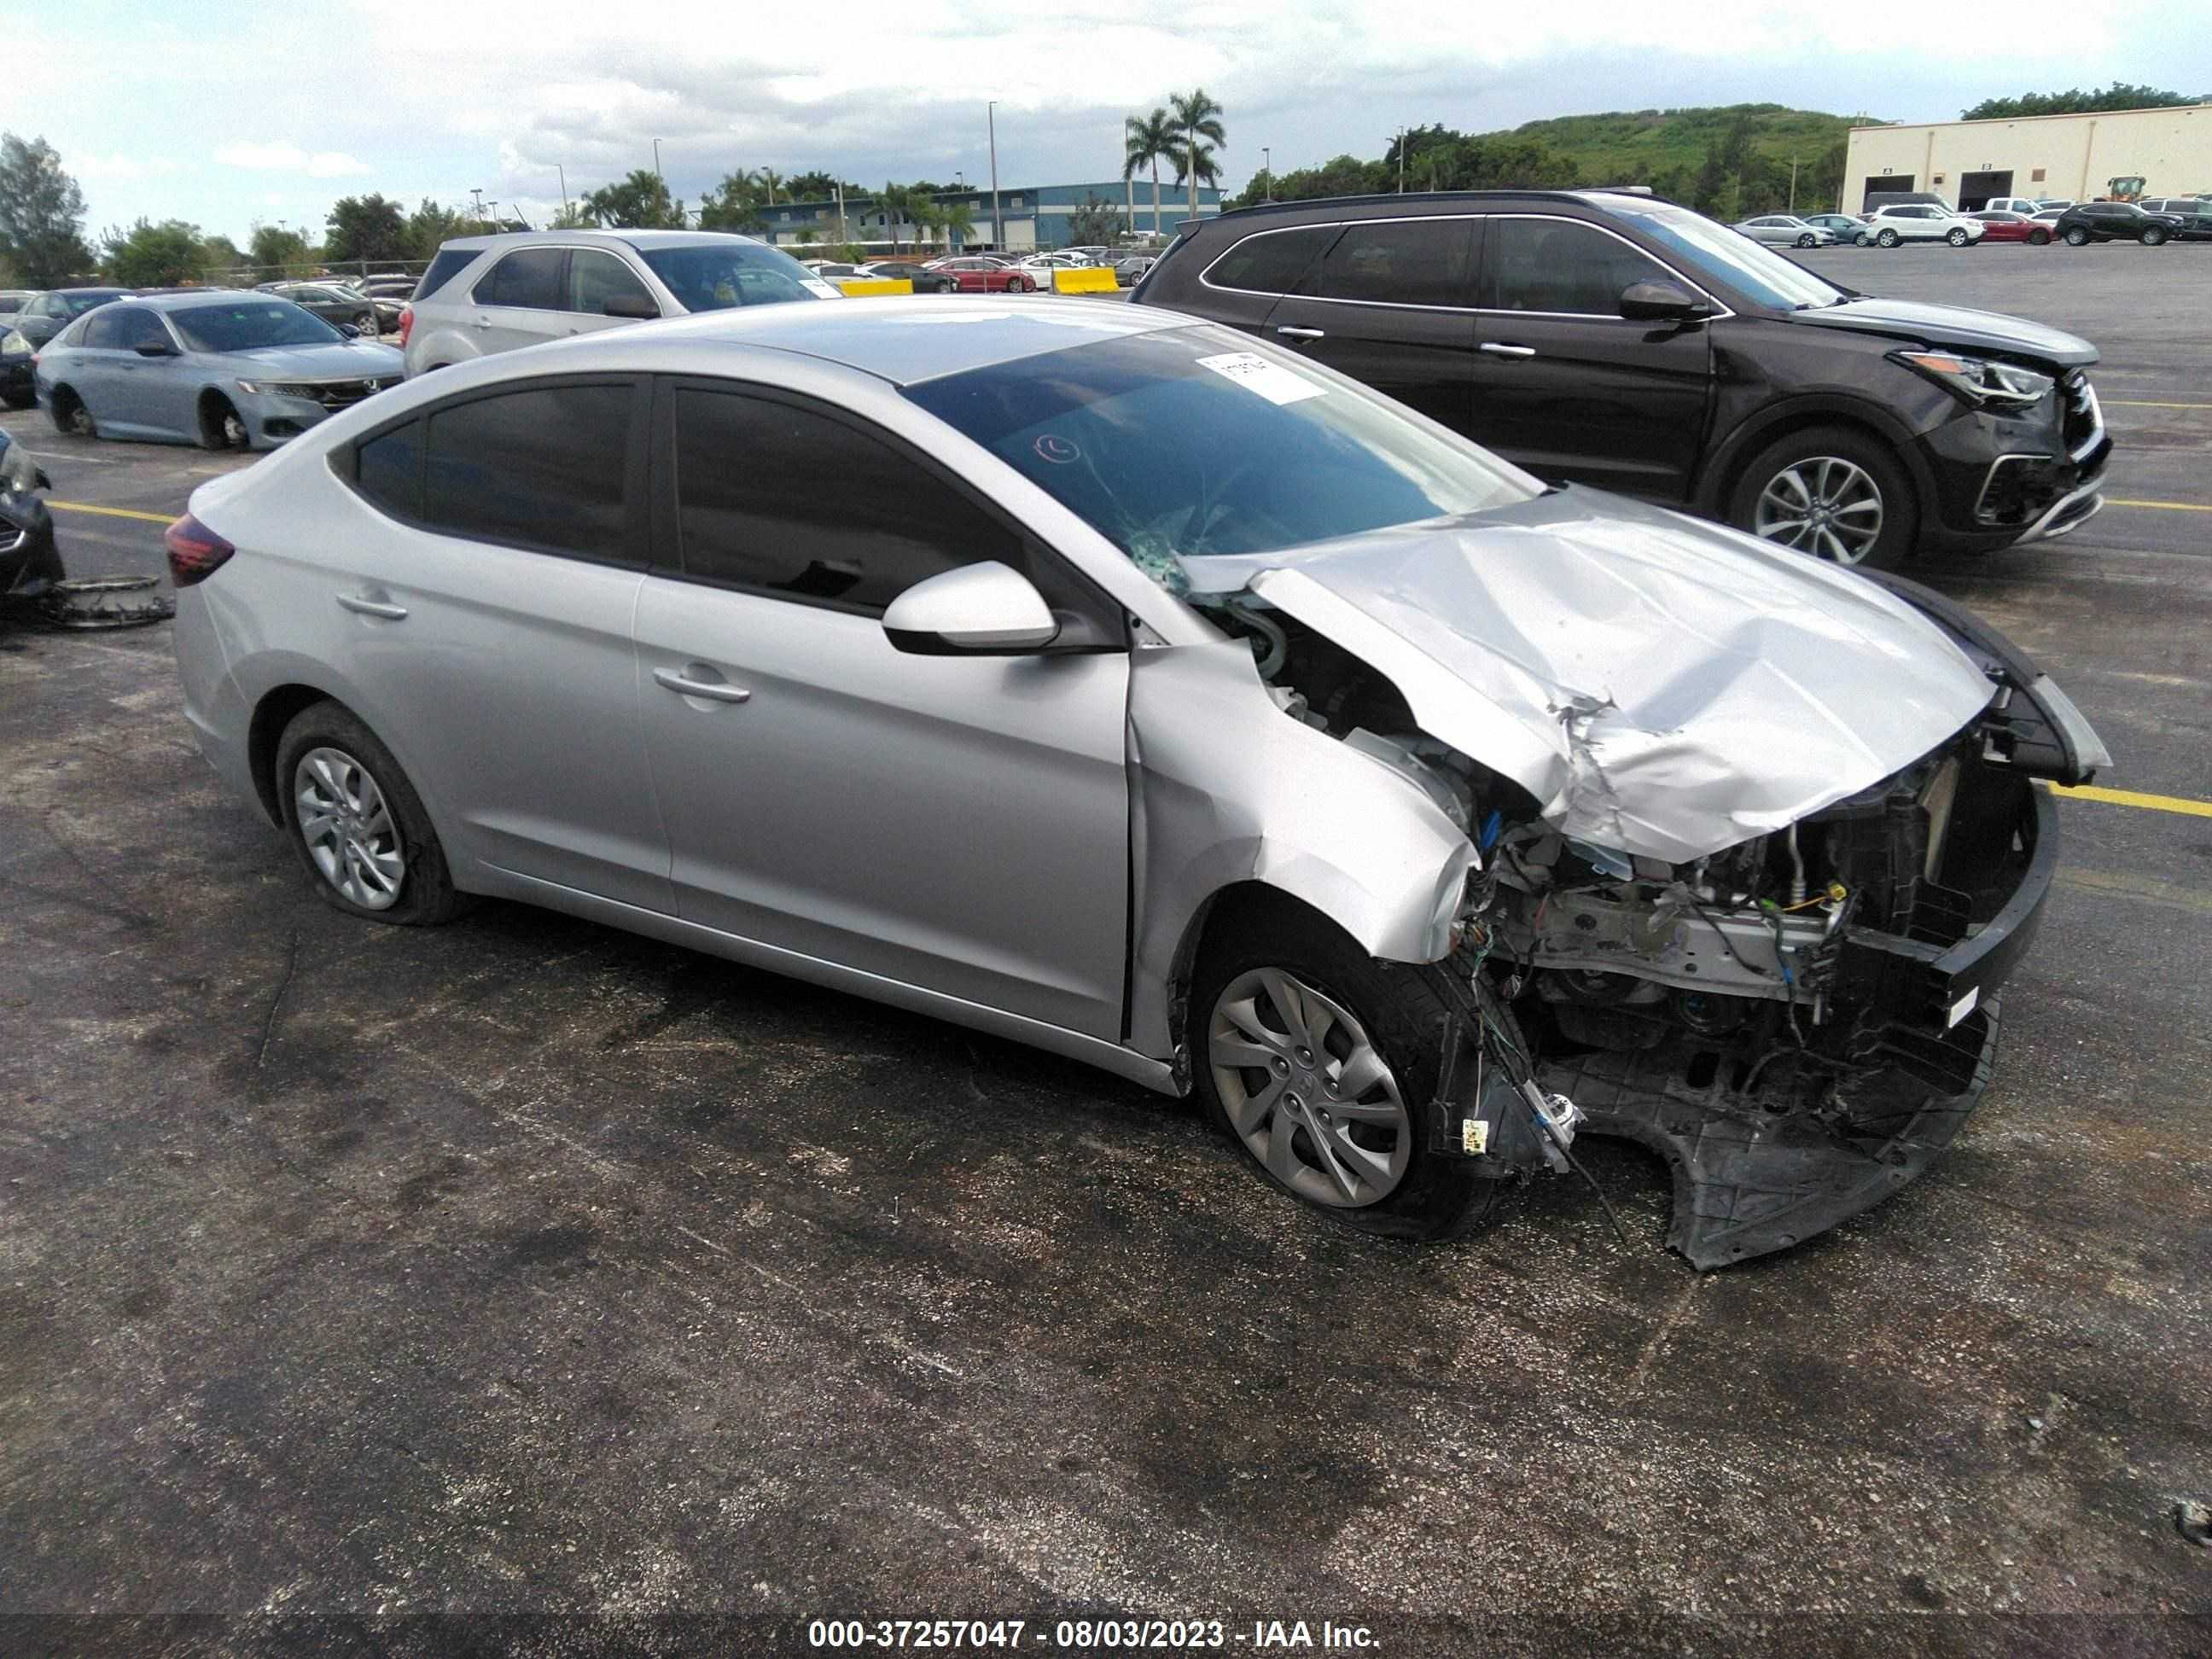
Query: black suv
(2117, 221)
(1610, 338)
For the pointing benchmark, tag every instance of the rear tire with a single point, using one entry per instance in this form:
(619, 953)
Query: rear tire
(2038, 239)
(1356, 1151)
(2154, 235)
(356, 824)
(1885, 239)
(1823, 460)
(18, 399)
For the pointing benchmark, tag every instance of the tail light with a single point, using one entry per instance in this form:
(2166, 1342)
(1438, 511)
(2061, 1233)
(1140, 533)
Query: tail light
(406, 325)
(195, 551)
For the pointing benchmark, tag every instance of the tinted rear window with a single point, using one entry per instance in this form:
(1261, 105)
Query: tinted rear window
(449, 264)
(388, 470)
(1272, 261)
(543, 467)
(528, 279)
(1408, 262)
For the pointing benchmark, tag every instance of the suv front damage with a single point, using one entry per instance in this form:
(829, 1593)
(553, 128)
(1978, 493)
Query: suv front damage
(1749, 845)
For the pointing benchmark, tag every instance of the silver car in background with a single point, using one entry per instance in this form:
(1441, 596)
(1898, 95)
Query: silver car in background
(1785, 230)
(483, 295)
(225, 369)
(1122, 685)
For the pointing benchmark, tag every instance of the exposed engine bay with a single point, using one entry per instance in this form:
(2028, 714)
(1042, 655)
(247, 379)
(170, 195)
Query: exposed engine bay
(1797, 1023)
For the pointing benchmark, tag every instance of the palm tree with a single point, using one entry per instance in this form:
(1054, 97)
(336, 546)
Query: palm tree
(1198, 118)
(1151, 141)
(955, 219)
(771, 181)
(1197, 166)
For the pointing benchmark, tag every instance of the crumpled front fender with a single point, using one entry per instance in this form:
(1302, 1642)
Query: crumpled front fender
(1225, 788)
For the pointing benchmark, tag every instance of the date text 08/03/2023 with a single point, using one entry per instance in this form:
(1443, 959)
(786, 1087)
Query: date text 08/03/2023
(1090, 1635)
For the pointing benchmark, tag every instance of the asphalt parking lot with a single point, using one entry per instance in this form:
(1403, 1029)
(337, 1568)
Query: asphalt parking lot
(524, 1267)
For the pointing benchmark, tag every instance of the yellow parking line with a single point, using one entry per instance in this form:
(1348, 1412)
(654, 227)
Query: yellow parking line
(2139, 402)
(2195, 808)
(2163, 506)
(114, 511)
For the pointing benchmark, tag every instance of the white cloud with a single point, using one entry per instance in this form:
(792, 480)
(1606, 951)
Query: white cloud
(287, 157)
(120, 166)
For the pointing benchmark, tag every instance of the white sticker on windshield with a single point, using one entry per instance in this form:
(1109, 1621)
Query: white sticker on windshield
(1272, 382)
(815, 285)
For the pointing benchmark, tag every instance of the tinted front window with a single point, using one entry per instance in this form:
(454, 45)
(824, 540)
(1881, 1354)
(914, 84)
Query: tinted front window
(101, 333)
(783, 499)
(1560, 265)
(249, 324)
(1195, 441)
(528, 279)
(449, 264)
(134, 327)
(388, 470)
(595, 277)
(1708, 251)
(545, 468)
(1415, 262)
(1272, 262)
(719, 276)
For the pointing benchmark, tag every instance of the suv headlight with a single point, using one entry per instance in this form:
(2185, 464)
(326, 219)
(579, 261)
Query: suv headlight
(19, 473)
(1980, 381)
(13, 345)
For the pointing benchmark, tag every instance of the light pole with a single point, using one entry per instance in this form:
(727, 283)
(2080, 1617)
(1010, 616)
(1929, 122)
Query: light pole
(657, 172)
(1267, 175)
(998, 232)
(563, 171)
(477, 191)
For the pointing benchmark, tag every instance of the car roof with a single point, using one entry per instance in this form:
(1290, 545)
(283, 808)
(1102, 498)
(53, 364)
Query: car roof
(904, 341)
(186, 299)
(640, 239)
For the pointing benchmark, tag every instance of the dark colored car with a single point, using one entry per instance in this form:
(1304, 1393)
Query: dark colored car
(2008, 227)
(2116, 221)
(924, 280)
(29, 564)
(338, 307)
(39, 319)
(1612, 338)
(2195, 213)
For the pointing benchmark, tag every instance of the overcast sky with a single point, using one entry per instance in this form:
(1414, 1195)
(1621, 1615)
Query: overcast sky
(229, 111)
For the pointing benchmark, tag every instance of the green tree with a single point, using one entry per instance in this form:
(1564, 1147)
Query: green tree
(957, 219)
(1096, 224)
(273, 245)
(42, 213)
(640, 202)
(577, 216)
(148, 255)
(1147, 141)
(901, 204)
(770, 181)
(2121, 94)
(220, 253)
(1198, 118)
(808, 236)
(816, 186)
(431, 225)
(366, 227)
(731, 204)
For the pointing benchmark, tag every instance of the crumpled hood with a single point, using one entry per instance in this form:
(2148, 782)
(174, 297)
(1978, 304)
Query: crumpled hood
(1953, 325)
(1664, 687)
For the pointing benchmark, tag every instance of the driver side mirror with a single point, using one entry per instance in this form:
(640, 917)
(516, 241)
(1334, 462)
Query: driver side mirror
(988, 610)
(1659, 301)
(154, 349)
(352, 331)
(635, 306)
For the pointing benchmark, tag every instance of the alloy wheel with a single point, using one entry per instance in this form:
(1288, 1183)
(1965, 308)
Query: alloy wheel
(349, 827)
(1823, 505)
(1888, 239)
(1307, 1092)
(1957, 239)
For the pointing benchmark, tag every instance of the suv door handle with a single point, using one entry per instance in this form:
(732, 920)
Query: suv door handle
(484, 322)
(677, 681)
(1497, 350)
(369, 607)
(1304, 333)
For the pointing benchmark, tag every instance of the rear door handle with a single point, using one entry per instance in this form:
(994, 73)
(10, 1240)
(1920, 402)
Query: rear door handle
(1497, 350)
(1304, 333)
(484, 322)
(369, 607)
(678, 680)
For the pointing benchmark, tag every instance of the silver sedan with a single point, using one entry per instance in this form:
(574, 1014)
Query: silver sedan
(1125, 686)
(1785, 230)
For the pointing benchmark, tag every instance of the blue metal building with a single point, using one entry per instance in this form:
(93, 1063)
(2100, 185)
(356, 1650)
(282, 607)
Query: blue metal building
(1031, 216)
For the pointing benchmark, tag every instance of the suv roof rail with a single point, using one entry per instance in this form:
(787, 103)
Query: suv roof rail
(1575, 194)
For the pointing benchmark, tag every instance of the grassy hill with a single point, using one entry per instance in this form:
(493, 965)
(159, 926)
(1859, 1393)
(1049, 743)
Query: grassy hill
(1643, 146)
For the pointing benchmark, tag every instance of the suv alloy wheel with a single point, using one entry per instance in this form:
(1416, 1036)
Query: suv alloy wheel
(1887, 238)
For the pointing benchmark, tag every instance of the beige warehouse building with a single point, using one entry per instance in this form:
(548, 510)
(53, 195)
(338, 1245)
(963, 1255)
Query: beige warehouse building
(2070, 157)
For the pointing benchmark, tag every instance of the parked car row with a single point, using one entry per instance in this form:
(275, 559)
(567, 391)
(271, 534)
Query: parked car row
(2005, 219)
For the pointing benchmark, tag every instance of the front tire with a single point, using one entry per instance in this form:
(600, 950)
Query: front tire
(356, 824)
(1887, 239)
(2077, 237)
(1830, 492)
(1956, 238)
(2154, 235)
(2038, 239)
(221, 426)
(1321, 1063)
(70, 416)
(1805, 241)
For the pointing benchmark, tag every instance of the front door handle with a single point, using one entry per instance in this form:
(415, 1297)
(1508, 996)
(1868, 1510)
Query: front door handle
(678, 680)
(369, 607)
(1303, 333)
(484, 322)
(1497, 350)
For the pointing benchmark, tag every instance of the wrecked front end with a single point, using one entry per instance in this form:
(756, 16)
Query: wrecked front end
(1798, 1018)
